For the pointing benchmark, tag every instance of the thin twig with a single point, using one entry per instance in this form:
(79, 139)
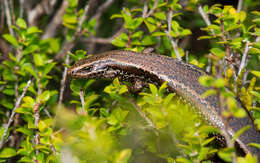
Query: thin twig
(82, 99)
(153, 8)
(63, 81)
(67, 46)
(205, 18)
(17, 104)
(8, 17)
(145, 8)
(45, 6)
(243, 62)
(174, 45)
(239, 6)
(56, 21)
(224, 38)
(97, 17)
(21, 8)
(207, 21)
(36, 110)
(103, 40)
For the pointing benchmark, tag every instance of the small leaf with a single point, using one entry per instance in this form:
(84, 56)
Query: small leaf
(7, 152)
(254, 145)
(239, 132)
(30, 49)
(33, 29)
(21, 23)
(218, 52)
(45, 96)
(208, 93)
(153, 89)
(38, 60)
(160, 15)
(123, 156)
(256, 73)
(11, 39)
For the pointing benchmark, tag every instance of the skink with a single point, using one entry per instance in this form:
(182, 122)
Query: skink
(181, 78)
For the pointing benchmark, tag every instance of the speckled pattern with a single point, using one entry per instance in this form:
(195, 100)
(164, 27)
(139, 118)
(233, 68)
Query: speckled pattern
(181, 78)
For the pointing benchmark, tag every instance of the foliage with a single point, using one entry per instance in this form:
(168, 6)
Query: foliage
(111, 124)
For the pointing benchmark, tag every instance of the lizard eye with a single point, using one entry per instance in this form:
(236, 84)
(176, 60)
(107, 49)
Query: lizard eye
(88, 69)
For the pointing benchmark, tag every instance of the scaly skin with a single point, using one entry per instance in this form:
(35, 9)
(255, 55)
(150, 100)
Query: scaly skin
(181, 78)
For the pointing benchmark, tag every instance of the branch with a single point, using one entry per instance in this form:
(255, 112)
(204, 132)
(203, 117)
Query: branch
(239, 6)
(103, 40)
(67, 46)
(63, 81)
(17, 104)
(45, 6)
(8, 17)
(205, 18)
(21, 8)
(243, 62)
(174, 45)
(145, 9)
(56, 21)
(97, 16)
(82, 99)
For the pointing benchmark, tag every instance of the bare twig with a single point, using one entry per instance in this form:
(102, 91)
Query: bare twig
(63, 81)
(205, 18)
(17, 104)
(67, 46)
(97, 16)
(153, 8)
(145, 14)
(82, 99)
(145, 8)
(174, 45)
(103, 40)
(243, 62)
(45, 6)
(21, 8)
(224, 38)
(239, 6)
(8, 17)
(56, 21)
(36, 110)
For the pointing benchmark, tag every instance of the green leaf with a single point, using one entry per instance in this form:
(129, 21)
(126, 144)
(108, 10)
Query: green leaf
(7, 152)
(9, 92)
(11, 39)
(256, 73)
(226, 154)
(48, 68)
(254, 145)
(21, 23)
(153, 89)
(28, 67)
(45, 96)
(123, 156)
(160, 15)
(151, 27)
(209, 93)
(29, 101)
(248, 159)
(30, 49)
(33, 29)
(217, 52)
(38, 59)
(240, 131)
(220, 83)
(6, 103)
(116, 16)
(25, 131)
(121, 40)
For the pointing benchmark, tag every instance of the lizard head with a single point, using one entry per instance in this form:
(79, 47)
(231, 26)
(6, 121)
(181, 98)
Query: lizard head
(92, 68)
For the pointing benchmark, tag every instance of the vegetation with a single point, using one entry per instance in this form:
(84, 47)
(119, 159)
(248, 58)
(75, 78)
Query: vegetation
(47, 117)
